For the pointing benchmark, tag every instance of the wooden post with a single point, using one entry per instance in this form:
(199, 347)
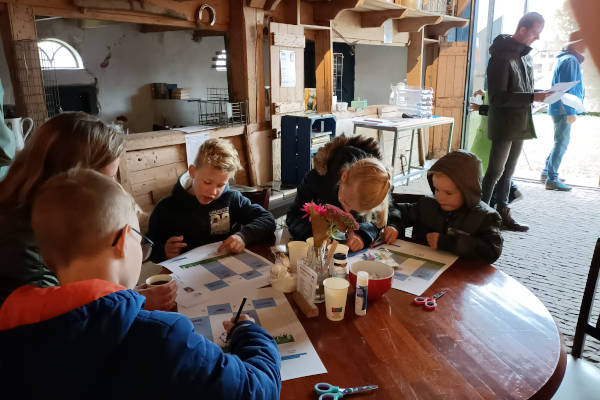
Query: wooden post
(324, 71)
(20, 46)
(414, 70)
(245, 67)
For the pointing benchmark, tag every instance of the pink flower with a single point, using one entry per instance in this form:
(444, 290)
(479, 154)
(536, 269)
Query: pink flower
(313, 207)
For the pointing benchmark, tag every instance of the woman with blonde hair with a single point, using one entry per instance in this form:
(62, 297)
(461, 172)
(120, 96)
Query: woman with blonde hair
(69, 140)
(348, 173)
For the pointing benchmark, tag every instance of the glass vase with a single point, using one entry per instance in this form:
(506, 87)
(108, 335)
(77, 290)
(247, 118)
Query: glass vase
(316, 261)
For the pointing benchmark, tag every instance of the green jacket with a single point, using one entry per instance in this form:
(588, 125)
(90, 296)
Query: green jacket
(510, 90)
(7, 140)
(22, 263)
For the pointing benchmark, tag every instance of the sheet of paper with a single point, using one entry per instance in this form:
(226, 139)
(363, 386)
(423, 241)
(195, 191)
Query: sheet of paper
(192, 144)
(573, 101)
(306, 281)
(271, 310)
(202, 272)
(559, 89)
(416, 267)
(388, 31)
(287, 63)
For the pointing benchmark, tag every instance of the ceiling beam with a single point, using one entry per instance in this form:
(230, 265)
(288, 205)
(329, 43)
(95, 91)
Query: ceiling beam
(374, 19)
(416, 24)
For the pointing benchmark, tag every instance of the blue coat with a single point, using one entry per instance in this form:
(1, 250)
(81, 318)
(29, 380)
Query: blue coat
(568, 69)
(109, 348)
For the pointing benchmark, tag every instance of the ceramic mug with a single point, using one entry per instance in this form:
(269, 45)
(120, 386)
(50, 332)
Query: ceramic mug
(16, 126)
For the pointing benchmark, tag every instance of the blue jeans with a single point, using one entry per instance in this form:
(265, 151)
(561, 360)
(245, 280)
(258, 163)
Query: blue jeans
(562, 135)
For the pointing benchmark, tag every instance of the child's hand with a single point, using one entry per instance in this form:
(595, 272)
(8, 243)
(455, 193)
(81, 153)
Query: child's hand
(390, 234)
(173, 246)
(233, 244)
(229, 324)
(355, 243)
(432, 239)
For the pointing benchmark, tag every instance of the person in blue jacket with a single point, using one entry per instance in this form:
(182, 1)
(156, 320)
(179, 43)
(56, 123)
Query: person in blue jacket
(89, 337)
(202, 209)
(568, 69)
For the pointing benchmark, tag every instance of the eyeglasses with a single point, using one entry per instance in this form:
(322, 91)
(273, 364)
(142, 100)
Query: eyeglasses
(146, 243)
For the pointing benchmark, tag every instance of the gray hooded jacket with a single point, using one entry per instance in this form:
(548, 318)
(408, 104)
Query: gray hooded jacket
(472, 231)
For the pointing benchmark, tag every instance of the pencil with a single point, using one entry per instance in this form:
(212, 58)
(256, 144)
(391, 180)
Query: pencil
(237, 316)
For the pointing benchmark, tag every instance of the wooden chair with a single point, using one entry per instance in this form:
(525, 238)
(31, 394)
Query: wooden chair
(260, 197)
(583, 326)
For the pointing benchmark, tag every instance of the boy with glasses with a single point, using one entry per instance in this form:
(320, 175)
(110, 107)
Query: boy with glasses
(90, 338)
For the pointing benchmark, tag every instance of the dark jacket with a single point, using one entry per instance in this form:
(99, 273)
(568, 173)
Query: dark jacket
(473, 230)
(182, 214)
(92, 340)
(568, 69)
(510, 90)
(321, 184)
(21, 262)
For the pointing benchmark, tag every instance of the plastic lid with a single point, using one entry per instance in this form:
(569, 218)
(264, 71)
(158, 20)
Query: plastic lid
(339, 256)
(362, 278)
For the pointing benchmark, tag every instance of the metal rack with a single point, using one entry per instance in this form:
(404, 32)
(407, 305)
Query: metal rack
(338, 70)
(216, 110)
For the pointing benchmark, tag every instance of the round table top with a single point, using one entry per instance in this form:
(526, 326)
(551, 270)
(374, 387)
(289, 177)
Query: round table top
(490, 337)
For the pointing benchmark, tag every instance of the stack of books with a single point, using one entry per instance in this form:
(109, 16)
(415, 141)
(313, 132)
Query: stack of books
(180, 93)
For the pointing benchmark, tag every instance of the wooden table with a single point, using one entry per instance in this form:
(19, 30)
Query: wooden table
(397, 125)
(489, 338)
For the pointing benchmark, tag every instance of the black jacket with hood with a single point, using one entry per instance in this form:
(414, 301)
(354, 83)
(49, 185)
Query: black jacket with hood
(510, 90)
(473, 230)
(182, 214)
(321, 184)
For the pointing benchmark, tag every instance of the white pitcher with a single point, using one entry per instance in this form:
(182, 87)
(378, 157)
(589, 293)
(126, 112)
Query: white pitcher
(16, 125)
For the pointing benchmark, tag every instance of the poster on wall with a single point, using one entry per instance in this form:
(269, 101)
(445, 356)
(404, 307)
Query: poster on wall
(287, 62)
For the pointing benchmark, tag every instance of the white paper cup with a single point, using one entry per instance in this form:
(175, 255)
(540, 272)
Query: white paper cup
(340, 249)
(310, 242)
(296, 250)
(159, 280)
(336, 292)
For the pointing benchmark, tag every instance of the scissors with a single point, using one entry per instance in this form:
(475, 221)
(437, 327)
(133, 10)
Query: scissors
(429, 303)
(330, 392)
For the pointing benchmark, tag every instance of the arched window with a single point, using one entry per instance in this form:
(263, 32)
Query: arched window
(56, 54)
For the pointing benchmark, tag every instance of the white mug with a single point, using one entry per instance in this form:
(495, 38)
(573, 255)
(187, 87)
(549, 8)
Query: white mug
(16, 126)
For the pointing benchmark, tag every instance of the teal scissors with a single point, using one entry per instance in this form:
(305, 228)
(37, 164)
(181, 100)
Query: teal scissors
(330, 392)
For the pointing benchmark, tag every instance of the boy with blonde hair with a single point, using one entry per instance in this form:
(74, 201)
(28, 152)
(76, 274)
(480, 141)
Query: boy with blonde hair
(203, 209)
(90, 338)
(454, 219)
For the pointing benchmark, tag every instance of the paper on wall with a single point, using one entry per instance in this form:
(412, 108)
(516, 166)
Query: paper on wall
(192, 145)
(287, 63)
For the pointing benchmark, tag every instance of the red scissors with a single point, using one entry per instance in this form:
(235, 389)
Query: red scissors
(429, 303)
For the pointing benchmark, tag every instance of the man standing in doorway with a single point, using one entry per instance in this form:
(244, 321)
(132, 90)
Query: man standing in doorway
(568, 69)
(510, 86)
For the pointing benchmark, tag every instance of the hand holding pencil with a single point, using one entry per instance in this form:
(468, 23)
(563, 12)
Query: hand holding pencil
(238, 317)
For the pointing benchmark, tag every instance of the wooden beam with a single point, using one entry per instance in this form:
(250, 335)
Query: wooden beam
(272, 4)
(256, 3)
(374, 19)
(414, 70)
(461, 6)
(442, 28)
(126, 5)
(327, 11)
(324, 70)
(416, 24)
(19, 35)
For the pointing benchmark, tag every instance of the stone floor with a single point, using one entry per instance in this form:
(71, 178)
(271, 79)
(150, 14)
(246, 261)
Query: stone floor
(553, 258)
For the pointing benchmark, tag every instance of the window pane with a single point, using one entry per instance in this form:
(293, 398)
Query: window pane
(64, 59)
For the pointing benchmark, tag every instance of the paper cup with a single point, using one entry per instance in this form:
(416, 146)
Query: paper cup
(336, 292)
(310, 242)
(340, 249)
(297, 251)
(159, 280)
